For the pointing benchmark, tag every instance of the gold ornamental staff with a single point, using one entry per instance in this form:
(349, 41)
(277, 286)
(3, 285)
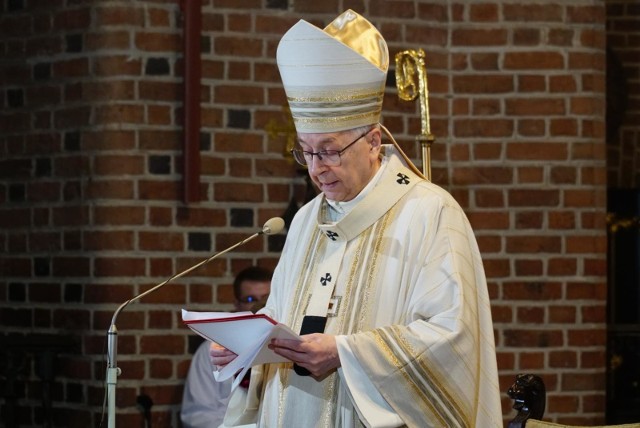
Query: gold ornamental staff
(409, 67)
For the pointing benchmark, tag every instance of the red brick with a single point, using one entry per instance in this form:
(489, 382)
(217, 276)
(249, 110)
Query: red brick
(162, 344)
(160, 216)
(161, 319)
(540, 151)
(158, 190)
(160, 368)
(107, 293)
(238, 192)
(108, 240)
(161, 241)
(524, 268)
(70, 216)
(533, 338)
(239, 70)
(119, 113)
(273, 24)
(72, 19)
(534, 61)
(532, 12)
(489, 198)
(106, 165)
(238, 47)
(526, 37)
(528, 175)
(585, 244)
(535, 198)
(562, 403)
(43, 191)
(582, 381)
(562, 267)
(531, 360)
(562, 220)
(587, 105)
(73, 117)
(120, 16)
(71, 319)
(157, 42)
(483, 12)
(110, 189)
(483, 84)
(70, 266)
(534, 291)
(426, 36)
(485, 127)
(489, 220)
(529, 220)
(530, 315)
(495, 268)
(591, 337)
(77, 67)
(595, 267)
(115, 90)
(117, 266)
(486, 107)
(484, 61)
(229, 94)
(562, 314)
(117, 65)
(593, 359)
(158, 17)
(488, 151)
(594, 314)
(479, 37)
(505, 362)
(396, 9)
(432, 12)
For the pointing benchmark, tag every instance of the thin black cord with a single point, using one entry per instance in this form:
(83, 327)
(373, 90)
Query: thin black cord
(104, 370)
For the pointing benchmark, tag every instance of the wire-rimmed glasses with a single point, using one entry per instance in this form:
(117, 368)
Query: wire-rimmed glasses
(327, 157)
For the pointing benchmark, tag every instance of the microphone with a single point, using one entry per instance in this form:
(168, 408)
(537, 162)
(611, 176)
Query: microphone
(271, 227)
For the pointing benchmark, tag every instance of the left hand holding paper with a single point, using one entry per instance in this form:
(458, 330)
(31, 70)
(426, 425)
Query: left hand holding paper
(316, 352)
(220, 356)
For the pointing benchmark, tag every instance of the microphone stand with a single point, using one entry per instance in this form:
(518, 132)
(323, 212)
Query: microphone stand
(113, 371)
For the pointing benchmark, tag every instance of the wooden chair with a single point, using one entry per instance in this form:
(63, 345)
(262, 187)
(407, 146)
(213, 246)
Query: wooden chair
(529, 399)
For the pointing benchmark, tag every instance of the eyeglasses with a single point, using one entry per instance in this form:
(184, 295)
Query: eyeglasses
(327, 157)
(250, 299)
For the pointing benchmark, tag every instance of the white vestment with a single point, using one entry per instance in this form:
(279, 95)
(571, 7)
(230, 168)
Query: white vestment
(204, 400)
(403, 281)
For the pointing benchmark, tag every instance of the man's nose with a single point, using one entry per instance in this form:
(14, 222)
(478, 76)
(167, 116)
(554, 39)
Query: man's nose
(316, 165)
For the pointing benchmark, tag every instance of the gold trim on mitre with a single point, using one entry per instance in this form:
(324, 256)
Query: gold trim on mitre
(360, 35)
(334, 78)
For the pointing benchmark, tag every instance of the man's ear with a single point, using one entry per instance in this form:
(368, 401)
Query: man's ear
(375, 140)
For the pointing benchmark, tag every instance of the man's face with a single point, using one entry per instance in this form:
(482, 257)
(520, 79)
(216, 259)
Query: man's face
(252, 294)
(358, 163)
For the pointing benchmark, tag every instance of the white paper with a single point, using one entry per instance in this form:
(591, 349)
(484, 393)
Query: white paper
(244, 333)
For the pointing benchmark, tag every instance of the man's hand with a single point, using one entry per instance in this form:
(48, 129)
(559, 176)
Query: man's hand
(220, 356)
(316, 352)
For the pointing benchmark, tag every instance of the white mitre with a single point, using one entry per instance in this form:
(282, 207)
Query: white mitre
(334, 78)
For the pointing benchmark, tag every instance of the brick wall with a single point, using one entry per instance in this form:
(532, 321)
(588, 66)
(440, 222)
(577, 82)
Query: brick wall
(91, 167)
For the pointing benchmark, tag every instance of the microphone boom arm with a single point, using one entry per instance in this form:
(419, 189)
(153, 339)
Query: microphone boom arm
(181, 274)
(272, 226)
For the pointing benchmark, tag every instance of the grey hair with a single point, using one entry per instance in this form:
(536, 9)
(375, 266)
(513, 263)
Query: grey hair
(365, 129)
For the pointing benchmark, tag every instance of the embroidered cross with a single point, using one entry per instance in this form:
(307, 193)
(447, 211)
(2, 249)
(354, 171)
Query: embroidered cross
(332, 235)
(402, 179)
(326, 278)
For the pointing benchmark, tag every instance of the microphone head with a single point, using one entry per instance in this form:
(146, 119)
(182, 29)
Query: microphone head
(273, 225)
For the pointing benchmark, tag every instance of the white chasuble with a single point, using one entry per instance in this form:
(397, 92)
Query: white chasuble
(402, 285)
